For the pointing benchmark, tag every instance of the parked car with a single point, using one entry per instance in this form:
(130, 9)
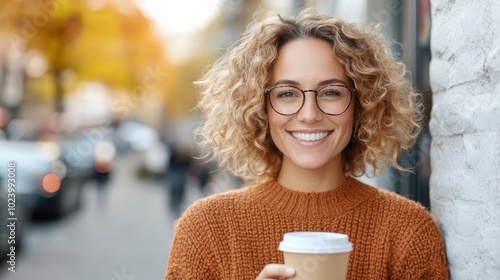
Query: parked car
(46, 187)
(89, 151)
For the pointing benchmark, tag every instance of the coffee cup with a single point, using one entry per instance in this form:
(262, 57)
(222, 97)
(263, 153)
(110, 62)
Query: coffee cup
(316, 255)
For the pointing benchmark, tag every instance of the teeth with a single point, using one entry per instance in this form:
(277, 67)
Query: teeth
(310, 136)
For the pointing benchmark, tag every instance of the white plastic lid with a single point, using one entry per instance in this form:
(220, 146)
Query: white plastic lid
(308, 242)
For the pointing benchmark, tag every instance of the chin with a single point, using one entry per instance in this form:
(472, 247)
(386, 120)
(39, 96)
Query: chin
(311, 164)
(316, 160)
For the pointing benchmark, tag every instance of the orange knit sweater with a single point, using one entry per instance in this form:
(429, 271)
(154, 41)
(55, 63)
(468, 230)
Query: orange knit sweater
(235, 234)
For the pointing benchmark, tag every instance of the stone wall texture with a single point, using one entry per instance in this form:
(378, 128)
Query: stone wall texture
(465, 129)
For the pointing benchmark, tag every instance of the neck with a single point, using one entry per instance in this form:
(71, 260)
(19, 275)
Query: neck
(326, 178)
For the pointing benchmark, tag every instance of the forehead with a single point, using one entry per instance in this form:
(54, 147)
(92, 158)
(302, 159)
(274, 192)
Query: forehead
(307, 61)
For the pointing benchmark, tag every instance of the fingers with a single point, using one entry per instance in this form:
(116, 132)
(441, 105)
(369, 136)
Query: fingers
(275, 271)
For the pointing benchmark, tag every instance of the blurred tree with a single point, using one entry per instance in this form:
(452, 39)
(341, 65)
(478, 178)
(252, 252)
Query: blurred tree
(105, 44)
(181, 94)
(225, 28)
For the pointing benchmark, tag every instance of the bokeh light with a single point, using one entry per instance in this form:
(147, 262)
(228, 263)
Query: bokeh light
(51, 183)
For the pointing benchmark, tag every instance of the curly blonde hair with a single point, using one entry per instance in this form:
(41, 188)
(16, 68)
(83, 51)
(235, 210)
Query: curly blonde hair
(235, 127)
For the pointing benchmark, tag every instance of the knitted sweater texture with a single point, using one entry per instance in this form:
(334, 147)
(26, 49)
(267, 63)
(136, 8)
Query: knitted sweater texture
(235, 234)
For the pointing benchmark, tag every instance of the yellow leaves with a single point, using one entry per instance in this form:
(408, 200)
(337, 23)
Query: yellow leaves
(114, 48)
(181, 95)
(115, 74)
(42, 89)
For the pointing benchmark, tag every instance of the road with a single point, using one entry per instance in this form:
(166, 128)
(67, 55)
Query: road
(121, 234)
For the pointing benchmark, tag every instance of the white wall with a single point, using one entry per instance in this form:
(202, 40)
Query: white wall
(465, 126)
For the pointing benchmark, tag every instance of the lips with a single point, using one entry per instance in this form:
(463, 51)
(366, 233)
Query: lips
(309, 137)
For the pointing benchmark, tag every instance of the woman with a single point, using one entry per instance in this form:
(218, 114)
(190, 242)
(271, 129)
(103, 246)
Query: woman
(297, 109)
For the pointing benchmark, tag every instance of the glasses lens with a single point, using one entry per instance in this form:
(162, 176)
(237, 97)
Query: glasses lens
(286, 100)
(333, 99)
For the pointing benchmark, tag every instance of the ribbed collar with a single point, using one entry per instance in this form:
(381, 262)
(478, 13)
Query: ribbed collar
(312, 204)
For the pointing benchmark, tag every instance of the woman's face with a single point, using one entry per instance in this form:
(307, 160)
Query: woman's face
(309, 139)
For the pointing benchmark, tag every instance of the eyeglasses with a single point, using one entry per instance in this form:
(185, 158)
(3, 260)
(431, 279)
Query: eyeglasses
(331, 99)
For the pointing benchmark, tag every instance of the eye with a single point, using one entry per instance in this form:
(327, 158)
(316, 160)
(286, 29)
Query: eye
(333, 92)
(329, 93)
(286, 93)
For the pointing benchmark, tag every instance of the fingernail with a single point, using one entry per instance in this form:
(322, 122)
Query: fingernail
(289, 272)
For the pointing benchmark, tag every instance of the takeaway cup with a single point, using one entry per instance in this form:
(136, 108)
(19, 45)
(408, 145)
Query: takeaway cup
(316, 255)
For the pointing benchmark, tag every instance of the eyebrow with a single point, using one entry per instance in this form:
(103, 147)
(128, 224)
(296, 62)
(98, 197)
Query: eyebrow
(320, 84)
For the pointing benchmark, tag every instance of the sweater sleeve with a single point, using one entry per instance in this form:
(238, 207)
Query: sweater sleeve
(424, 255)
(191, 255)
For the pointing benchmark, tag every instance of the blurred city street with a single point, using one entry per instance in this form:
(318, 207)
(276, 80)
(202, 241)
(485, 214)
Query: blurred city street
(97, 113)
(120, 232)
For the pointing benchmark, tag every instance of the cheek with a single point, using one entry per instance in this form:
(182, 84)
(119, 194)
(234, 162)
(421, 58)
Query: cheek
(349, 121)
(349, 125)
(273, 118)
(276, 126)
(346, 123)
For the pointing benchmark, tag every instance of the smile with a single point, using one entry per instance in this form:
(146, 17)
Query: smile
(309, 136)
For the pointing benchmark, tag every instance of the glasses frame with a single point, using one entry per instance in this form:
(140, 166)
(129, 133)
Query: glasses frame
(352, 91)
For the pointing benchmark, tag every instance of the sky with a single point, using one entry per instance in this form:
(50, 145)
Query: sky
(180, 17)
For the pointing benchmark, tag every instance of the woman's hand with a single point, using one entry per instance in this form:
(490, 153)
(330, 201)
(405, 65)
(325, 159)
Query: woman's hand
(276, 271)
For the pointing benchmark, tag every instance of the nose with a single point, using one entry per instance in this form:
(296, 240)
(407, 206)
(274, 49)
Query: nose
(310, 113)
